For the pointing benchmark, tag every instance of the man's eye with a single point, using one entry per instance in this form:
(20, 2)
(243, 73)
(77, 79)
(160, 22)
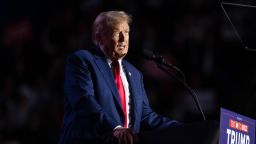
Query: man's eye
(116, 34)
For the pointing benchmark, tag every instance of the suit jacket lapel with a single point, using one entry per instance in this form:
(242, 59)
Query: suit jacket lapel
(132, 85)
(108, 76)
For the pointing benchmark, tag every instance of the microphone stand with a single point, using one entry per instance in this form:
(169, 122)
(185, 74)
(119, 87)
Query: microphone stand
(161, 62)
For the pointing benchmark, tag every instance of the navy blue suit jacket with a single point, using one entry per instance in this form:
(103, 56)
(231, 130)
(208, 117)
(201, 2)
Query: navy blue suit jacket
(92, 106)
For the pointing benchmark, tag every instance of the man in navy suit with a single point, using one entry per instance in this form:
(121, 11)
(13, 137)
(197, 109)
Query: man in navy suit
(105, 99)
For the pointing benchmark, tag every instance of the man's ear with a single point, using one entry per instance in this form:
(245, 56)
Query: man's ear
(98, 38)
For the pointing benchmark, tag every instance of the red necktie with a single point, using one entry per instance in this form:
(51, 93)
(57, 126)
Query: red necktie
(116, 70)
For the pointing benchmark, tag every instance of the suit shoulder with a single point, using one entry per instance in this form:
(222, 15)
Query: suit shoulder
(81, 53)
(79, 56)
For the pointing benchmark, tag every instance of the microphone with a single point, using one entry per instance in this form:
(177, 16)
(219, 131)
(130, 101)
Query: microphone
(150, 55)
(160, 61)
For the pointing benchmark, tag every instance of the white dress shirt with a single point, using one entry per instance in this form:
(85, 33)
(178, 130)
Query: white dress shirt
(126, 88)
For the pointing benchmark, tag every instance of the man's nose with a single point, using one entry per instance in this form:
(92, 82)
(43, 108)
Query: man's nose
(121, 37)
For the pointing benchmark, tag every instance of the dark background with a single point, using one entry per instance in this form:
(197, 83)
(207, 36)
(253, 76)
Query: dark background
(195, 35)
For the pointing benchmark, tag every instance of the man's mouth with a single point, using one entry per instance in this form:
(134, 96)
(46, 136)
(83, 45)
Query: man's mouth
(121, 46)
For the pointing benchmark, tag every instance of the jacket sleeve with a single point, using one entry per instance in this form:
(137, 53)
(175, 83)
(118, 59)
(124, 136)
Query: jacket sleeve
(89, 119)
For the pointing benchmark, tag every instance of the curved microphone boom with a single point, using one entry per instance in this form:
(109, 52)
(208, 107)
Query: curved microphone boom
(161, 62)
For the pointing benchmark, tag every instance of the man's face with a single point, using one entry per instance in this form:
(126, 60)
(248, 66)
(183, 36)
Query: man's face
(115, 42)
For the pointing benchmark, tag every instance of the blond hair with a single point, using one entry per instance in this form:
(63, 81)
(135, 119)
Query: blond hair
(106, 20)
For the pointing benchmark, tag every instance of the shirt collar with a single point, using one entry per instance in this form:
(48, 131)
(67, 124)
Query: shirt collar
(110, 61)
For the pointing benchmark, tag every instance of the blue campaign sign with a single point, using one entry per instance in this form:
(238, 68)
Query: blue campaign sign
(236, 128)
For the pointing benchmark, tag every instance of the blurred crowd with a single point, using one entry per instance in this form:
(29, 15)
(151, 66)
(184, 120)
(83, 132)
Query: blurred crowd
(36, 36)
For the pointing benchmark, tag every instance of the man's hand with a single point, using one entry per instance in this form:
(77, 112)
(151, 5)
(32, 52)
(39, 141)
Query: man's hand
(122, 135)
